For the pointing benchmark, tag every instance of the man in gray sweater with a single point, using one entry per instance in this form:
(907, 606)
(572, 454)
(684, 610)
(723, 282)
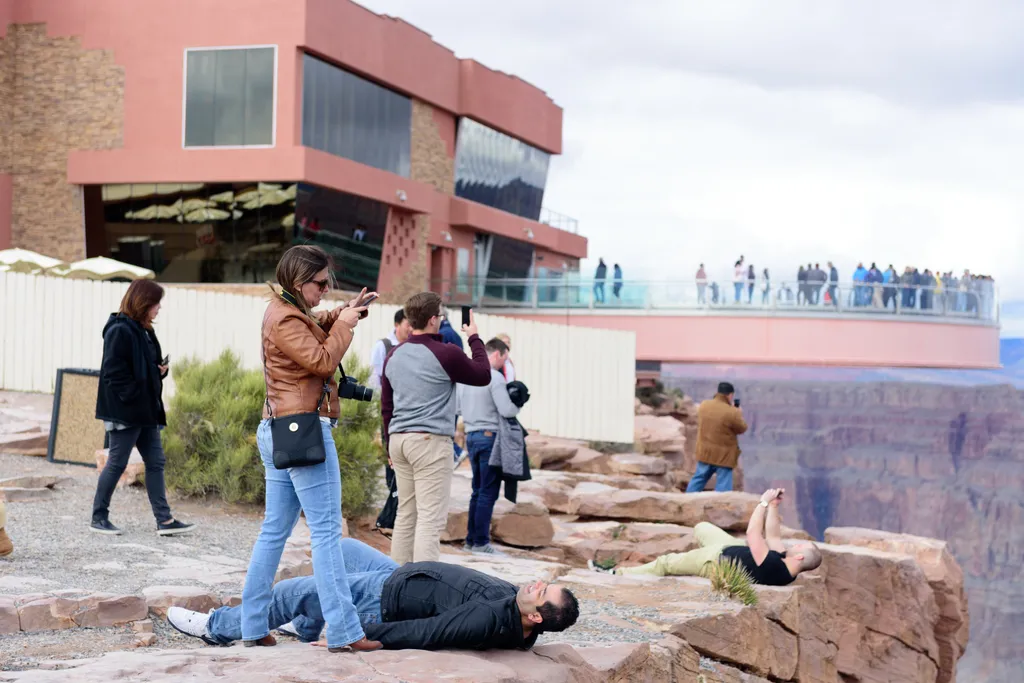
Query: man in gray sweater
(418, 410)
(482, 407)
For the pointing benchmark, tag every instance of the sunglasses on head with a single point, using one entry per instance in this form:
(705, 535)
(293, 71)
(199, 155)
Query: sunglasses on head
(322, 284)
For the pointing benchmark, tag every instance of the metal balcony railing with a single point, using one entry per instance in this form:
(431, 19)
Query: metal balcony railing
(977, 301)
(559, 220)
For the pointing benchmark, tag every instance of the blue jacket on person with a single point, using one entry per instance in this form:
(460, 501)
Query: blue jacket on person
(449, 335)
(860, 275)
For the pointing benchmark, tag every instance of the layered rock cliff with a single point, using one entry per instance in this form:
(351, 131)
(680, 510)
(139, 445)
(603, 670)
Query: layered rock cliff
(937, 461)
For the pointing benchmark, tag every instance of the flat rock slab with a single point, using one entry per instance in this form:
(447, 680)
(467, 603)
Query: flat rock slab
(25, 442)
(15, 494)
(556, 663)
(159, 598)
(32, 482)
(730, 511)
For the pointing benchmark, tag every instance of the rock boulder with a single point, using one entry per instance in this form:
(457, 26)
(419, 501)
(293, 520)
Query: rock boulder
(159, 598)
(134, 473)
(658, 435)
(730, 511)
(944, 576)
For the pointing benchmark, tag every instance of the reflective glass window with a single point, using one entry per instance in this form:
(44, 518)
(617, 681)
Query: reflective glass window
(234, 232)
(229, 97)
(354, 118)
(510, 260)
(497, 170)
(462, 271)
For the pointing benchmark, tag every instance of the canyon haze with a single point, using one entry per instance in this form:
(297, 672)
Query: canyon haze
(928, 453)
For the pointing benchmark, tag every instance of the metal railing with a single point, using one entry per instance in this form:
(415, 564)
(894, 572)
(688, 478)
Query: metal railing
(977, 301)
(559, 220)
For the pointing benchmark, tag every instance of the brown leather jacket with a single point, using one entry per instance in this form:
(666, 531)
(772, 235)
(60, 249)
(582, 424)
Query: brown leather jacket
(718, 425)
(299, 355)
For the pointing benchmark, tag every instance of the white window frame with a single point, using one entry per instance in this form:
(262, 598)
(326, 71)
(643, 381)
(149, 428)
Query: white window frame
(184, 96)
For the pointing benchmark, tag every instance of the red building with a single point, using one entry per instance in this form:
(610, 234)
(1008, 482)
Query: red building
(202, 138)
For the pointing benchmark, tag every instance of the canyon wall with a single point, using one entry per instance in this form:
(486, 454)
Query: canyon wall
(938, 461)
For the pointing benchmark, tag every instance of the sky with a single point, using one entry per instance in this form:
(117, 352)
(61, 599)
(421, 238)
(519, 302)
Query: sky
(786, 131)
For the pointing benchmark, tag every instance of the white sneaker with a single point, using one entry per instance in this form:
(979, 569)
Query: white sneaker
(485, 550)
(190, 623)
(288, 630)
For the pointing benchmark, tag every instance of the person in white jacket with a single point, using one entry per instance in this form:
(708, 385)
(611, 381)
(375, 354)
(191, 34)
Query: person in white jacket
(383, 347)
(509, 370)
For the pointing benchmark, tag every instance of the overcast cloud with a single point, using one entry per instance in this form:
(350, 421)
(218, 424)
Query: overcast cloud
(789, 131)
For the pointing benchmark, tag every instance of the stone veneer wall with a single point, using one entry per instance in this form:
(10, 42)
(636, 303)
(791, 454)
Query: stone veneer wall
(55, 97)
(431, 161)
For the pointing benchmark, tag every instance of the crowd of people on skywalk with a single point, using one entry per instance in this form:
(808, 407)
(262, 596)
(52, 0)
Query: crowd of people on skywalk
(940, 292)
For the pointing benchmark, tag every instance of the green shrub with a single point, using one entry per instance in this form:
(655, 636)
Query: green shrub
(210, 440)
(730, 579)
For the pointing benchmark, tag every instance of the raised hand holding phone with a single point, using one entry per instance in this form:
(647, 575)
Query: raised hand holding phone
(468, 321)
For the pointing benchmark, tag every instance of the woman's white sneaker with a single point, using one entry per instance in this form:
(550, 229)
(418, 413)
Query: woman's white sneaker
(190, 623)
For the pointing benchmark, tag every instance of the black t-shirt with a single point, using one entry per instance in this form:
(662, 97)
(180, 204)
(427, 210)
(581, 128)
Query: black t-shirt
(772, 572)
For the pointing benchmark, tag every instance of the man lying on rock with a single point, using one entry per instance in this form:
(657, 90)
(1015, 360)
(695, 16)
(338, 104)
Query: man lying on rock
(420, 605)
(765, 557)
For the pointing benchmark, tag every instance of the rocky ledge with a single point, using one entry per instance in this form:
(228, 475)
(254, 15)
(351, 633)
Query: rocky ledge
(883, 608)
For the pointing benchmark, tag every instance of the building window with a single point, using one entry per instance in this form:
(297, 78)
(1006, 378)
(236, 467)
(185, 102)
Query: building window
(462, 271)
(494, 169)
(230, 97)
(351, 117)
(233, 232)
(511, 260)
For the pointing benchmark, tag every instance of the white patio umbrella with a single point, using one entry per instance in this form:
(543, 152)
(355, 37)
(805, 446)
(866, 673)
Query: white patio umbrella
(102, 268)
(25, 261)
(206, 215)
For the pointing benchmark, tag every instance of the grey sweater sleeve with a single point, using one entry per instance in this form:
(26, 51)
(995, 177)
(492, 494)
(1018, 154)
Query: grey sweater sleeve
(499, 392)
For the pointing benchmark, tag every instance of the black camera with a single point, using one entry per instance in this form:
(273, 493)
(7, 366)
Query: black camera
(349, 388)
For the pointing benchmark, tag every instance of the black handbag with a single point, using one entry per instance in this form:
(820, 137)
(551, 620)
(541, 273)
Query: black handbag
(297, 440)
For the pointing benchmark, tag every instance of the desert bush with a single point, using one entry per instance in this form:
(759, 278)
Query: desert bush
(210, 440)
(652, 396)
(730, 579)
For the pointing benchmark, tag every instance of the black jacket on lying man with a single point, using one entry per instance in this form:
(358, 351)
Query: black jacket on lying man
(422, 605)
(435, 605)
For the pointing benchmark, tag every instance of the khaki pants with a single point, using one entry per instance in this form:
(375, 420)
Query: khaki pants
(423, 473)
(712, 541)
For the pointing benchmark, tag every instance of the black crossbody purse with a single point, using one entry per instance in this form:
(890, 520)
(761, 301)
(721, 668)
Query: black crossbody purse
(297, 440)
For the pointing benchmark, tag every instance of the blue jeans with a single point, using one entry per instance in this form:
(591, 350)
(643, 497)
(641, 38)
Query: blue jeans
(297, 600)
(486, 485)
(723, 478)
(739, 290)
(316, 490)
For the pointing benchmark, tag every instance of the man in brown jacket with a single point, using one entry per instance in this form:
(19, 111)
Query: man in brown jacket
(719, 422)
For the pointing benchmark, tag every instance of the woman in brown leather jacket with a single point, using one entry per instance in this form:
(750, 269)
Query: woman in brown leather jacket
(301, 350)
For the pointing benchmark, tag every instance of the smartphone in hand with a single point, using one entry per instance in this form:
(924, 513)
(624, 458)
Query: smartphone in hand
(465, 315)
(736, 402)
(166, 360)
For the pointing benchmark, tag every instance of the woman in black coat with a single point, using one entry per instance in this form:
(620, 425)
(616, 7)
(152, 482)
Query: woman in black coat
(130, 404)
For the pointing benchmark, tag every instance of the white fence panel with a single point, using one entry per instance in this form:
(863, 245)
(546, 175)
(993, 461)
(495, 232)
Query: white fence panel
(581, 380)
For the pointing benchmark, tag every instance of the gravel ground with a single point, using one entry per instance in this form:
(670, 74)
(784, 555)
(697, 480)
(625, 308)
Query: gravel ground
(55, 549)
